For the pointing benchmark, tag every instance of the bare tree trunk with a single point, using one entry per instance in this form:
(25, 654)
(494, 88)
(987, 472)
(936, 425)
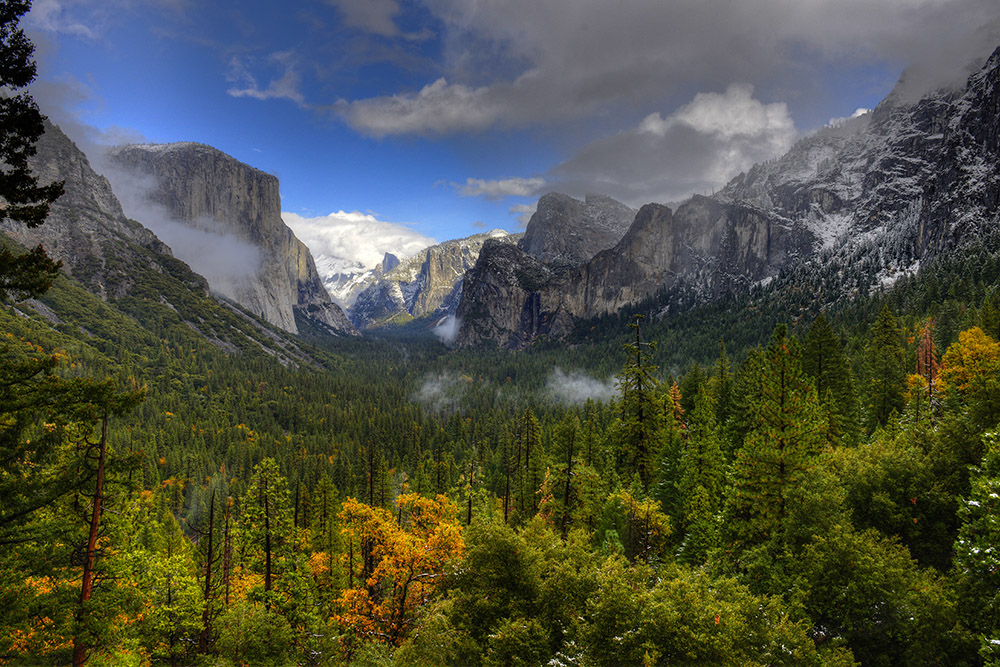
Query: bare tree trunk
(90, 557)
(227, 548)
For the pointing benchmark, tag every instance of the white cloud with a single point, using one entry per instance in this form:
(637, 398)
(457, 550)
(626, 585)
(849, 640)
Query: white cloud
(698, 148)
(523, 213)
(576, 387)
(285, 86)
(836, 122)
(225, 260)
(447, 329)
(441, 393)
(500, 189)
(89, 19)
(53, 16)
(359, 237)
(439, 108)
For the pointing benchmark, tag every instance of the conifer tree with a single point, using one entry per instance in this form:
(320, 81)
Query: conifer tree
(701, 464)
(785, 431)
(266, 525)
(722, 386)
(824, 363)
(639, 429)
(21, 198)
(884, 363)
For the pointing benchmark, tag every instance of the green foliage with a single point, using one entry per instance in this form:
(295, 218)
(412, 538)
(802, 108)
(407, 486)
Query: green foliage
(785, 432)
(828, 528)
(251, 634)
(884, 365)
(864, 589)
(22, 275)
(976, 560)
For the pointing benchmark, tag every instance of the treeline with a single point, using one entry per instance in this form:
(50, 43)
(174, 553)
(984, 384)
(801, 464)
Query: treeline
(813, 503)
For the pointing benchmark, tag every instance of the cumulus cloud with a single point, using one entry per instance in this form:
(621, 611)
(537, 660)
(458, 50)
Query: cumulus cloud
(698, 148)
(284, 86)
(499, 189)
(356, 236)
(514, 63)
(576, 387)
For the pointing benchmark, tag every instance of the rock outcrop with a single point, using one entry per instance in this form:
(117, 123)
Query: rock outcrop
(211, 192)
(861, 204)
(565, 232)
(86, 228)
(429, 283)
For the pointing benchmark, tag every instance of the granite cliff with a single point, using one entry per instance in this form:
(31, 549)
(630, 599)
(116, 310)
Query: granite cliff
(211, 192)
(429, 283)
(860, 203)
(565, 232)
(86, 229)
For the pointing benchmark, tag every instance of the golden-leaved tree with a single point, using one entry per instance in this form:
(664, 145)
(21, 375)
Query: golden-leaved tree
(395, 562)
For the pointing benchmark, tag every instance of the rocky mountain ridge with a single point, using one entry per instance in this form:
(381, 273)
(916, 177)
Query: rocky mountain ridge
(87, 230)
(127, 267)
(209, 191)
(865, 202)
(428, 283)
(565, 232)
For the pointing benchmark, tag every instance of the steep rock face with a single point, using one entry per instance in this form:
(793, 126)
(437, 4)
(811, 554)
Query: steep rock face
(861, 203)
(505, 301)
(208, 190)
(427, 283)
(87, 229)
(718, 245)
(565, 232)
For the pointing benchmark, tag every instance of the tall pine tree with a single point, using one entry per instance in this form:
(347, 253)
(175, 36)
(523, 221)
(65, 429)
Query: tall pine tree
(884, 364)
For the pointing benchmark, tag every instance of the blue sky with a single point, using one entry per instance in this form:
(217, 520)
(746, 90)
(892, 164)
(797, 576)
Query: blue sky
(448, 117)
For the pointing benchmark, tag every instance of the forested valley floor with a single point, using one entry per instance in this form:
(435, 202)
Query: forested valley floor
(754, 481)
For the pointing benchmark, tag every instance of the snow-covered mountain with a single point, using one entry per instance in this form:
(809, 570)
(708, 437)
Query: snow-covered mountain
(423, 284)
(861, 203)
(342, 277)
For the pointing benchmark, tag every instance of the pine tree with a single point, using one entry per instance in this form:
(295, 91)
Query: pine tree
(701, 464)
(640, 428)
(722, 386)
(824, 363)
(786, 431)
(266, 524)
(886, 377)
(21, 198)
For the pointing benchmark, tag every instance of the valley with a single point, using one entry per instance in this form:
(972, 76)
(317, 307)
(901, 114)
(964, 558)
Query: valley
(755, 427)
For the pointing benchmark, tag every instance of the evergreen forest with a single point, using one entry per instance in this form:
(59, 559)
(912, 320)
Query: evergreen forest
(770, 478)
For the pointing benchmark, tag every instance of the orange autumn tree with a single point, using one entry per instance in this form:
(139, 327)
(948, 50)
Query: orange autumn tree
(395, 562)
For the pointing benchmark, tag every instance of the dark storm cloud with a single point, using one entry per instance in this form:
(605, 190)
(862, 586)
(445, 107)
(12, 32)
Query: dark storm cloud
(578, 57)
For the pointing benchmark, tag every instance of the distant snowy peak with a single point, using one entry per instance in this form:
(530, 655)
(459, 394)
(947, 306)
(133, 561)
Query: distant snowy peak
(345, 278)
(427, 282)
